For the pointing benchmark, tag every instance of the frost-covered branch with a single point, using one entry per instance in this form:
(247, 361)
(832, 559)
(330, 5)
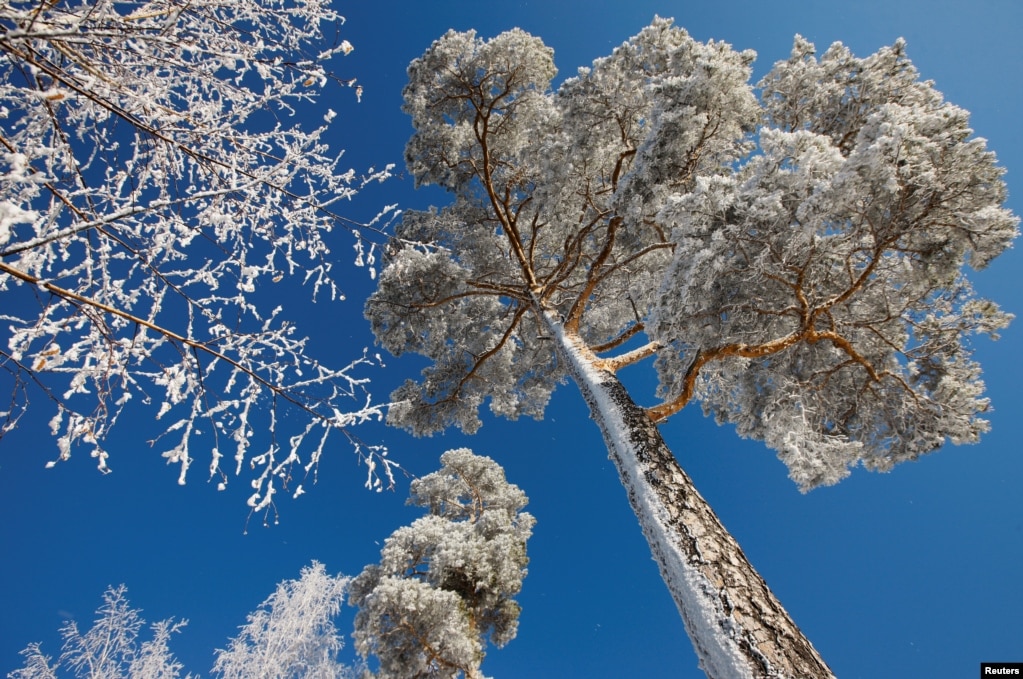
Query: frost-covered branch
(153, 180)
(292, 634)
(616, 363)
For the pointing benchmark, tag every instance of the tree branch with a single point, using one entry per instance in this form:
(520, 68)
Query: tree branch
(277, 390)
(616, 363)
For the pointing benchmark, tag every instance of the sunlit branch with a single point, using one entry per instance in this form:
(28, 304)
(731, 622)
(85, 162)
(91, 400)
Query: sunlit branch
(665, 410)
(616, 363)
(575, 314)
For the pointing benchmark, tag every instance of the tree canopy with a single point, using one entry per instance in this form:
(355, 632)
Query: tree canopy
(817, 297)
(445, 584)
(793, 261)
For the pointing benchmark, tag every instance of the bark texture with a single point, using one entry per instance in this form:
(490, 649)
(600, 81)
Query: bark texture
(736, 624)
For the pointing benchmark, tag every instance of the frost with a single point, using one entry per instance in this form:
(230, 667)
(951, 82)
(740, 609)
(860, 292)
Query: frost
(292, 633)
(10, 215)
(110, 648)
(148, 252)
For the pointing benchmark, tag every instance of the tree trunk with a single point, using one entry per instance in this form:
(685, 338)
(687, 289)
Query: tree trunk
(737, 626)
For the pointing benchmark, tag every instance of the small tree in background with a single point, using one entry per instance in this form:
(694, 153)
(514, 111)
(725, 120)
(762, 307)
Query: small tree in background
(110, 649)
(292, 634)
(445, 584)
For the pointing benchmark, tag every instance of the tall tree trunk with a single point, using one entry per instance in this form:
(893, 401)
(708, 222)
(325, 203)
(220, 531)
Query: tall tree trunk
(737, 626)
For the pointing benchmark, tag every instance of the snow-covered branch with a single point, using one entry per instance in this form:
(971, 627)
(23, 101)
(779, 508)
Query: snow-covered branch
(153, 177)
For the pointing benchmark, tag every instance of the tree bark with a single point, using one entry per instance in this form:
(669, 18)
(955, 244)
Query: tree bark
(736, 624)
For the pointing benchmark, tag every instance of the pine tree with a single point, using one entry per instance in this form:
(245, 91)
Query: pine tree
(793, 264)
(445, 584)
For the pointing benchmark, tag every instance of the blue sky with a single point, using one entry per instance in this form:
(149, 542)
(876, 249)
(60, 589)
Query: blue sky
(911, 573)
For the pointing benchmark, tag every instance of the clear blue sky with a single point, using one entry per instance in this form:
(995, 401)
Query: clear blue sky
(912, 573)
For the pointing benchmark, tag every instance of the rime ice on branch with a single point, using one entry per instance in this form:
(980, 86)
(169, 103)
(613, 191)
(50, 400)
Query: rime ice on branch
(292, 634)
(795, 265)
(152, 178)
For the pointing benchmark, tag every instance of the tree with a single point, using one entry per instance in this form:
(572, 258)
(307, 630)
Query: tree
(445, 584)
(292, 634)
(152, 176)
(110, 648)
(793, 264)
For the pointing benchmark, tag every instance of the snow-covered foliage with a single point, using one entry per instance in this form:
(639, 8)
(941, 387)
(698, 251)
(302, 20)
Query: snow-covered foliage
(542, 190)
(292, 635)
(110, 649)
(818, 291)
(805, 283)
(444, 587)
(154, 176)
(445, 584)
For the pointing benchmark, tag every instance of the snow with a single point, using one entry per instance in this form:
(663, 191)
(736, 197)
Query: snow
(693, 592)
